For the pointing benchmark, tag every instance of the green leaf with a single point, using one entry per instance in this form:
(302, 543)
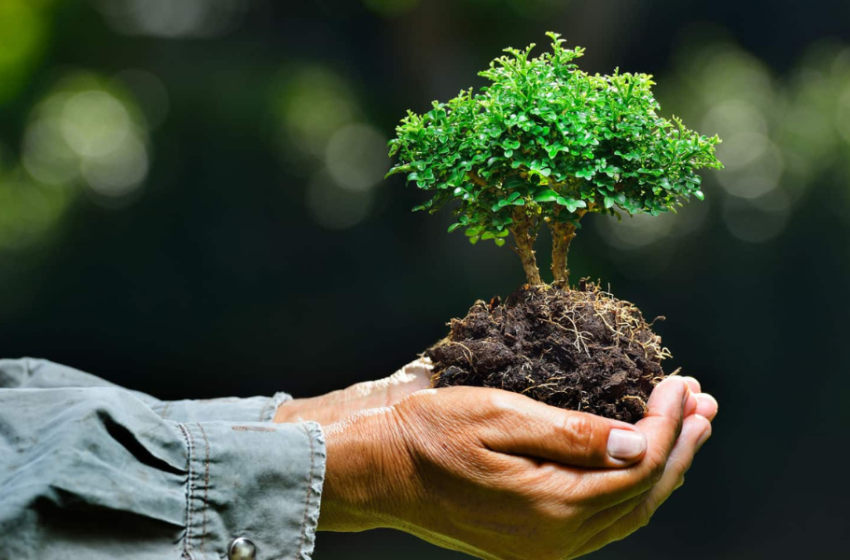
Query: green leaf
(473, 231)
(571, 204)
(513, 182)
(499, 242)
(396, 170)
(699, 194)
(586, 173)
(455, 226)
(510, 199)
(474, 239)
(547, 195)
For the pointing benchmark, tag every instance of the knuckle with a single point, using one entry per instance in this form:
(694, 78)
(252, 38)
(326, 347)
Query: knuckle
(653, 472)
(579, 430)
(656, 472)
(496, 402)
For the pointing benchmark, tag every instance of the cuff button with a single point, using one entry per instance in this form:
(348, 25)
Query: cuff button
(241, 549)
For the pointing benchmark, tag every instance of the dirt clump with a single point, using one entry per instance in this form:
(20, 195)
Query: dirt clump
(580, 349)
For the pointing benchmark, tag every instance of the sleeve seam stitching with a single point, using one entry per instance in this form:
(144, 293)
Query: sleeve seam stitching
(187, 436)
(309, 491)
(206, 484)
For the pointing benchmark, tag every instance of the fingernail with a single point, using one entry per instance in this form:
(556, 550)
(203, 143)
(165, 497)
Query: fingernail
(625, 444)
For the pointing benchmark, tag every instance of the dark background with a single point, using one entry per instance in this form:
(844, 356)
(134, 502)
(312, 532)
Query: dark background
(192, 204)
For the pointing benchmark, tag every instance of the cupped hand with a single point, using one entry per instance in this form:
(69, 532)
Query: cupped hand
(337, 405)
(500, 476)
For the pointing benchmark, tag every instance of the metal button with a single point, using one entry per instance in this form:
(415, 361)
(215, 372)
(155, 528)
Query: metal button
(241, 549)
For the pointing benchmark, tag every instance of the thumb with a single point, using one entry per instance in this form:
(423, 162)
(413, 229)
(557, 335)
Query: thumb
(533, 429)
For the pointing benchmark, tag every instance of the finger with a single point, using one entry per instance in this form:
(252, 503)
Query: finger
(529, 428)
(413, 377)
(628, 517)
(691, 404)
(337, 405)
(693, 384)
(706, 406)
(694, 433)
(661, 426)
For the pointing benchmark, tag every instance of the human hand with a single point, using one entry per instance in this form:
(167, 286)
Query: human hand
(500, 476)
(333, 407)
(696, 427)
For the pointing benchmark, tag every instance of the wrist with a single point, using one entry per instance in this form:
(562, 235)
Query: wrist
(291, 411)
(365, 474)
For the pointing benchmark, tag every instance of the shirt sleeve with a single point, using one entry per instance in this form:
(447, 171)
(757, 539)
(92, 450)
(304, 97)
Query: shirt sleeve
(30, 373)
(93, 472)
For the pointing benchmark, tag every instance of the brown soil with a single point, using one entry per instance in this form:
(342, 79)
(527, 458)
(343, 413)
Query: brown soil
(579, 349)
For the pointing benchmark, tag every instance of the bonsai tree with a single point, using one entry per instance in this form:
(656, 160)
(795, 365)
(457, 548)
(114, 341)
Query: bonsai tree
(545, 143)
(548, 143)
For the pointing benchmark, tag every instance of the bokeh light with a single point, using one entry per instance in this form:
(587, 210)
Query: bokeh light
(86, 134)
(87, 128)
(311, 104)
(170, 19)
(335, 207)
(643, 231)
(322, 131)
(356, 157)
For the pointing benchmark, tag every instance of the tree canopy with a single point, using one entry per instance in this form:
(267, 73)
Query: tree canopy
(545, 142)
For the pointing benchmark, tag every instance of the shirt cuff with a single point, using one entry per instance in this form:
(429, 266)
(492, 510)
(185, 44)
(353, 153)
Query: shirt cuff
(257, 481)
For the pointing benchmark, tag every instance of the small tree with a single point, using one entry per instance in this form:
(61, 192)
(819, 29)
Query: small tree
(548, 143)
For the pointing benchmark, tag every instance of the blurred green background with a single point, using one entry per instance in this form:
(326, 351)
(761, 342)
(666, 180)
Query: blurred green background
(192, 204)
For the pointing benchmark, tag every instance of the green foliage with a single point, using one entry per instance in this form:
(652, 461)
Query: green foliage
(552, 139)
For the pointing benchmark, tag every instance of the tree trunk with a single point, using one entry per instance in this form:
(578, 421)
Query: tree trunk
(562, 235)
(525, 237)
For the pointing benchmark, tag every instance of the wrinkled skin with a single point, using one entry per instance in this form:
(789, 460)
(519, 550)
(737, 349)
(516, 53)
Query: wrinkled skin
(495, 474)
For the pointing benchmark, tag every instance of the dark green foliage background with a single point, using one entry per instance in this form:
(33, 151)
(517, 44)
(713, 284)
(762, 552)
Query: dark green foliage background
(216, 281)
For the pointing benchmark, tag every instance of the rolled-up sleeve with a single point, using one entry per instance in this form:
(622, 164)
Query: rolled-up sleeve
(94, 472)
(30, 373)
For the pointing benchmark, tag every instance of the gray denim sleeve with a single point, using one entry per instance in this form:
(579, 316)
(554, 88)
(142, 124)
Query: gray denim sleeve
(30, 373)
(93, 472)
